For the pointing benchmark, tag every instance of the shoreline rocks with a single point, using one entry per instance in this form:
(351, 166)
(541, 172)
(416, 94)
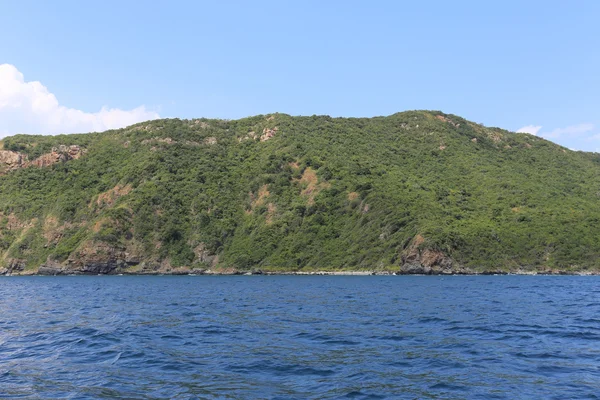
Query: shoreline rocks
(112, 269)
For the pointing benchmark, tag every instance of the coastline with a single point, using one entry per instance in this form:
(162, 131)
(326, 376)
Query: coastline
(230, 272)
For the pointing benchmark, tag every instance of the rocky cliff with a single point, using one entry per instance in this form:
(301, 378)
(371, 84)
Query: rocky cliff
(13, 160)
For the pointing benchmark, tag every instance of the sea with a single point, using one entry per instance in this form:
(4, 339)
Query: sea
(300, 337)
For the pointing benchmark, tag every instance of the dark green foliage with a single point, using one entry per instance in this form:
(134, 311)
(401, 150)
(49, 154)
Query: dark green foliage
(322, 193)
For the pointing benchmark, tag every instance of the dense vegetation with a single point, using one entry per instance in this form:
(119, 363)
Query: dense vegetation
(293, 193)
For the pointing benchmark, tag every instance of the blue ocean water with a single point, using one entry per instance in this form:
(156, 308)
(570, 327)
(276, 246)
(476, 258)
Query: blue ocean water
(300, 337)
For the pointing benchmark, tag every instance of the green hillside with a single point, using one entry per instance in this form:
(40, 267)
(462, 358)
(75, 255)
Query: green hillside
(414, 192)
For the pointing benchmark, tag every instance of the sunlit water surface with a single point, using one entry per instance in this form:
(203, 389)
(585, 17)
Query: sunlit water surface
(299, 337)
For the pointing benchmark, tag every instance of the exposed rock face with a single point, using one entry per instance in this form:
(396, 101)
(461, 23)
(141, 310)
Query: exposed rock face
(92, 259)
(50, 268)
(205, 256)
(58, 154)
(268, 134)
(15, 265)
(99, 258)
(101, 267)
(446, 119)
(12, 160)
(426, 261)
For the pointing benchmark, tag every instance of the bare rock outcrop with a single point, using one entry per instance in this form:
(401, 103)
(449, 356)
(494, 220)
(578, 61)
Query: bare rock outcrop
(447, 120)
(268, 134)
(51, 268)
(92, 258)
(58, 154)
(417, 260)
(205, 256)
(13, 160)
(13, 266)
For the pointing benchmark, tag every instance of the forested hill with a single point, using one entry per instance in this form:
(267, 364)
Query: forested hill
(414, 192)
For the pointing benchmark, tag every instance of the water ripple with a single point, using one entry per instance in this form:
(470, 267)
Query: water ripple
(294, 337)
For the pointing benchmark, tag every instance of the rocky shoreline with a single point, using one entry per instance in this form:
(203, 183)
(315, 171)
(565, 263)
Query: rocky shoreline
(45, 271)
(106, 260)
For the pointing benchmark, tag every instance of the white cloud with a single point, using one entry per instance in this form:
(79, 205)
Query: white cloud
(533, 129)
(579, 137)
(570, 130)
(29, 107)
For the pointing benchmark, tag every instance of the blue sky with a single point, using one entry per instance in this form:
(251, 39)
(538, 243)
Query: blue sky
(512, 64)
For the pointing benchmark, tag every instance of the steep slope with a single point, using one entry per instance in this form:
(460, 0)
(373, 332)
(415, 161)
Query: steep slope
(418, 191)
